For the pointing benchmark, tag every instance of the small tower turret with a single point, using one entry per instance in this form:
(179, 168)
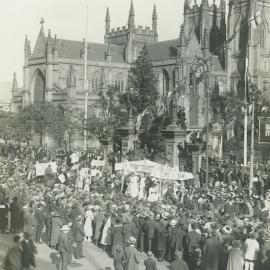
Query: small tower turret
(107, 25)
(14, 88)
(131, 17)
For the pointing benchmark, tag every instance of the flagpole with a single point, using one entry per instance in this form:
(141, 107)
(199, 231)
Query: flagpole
(85, 83)
(252, 149)
(246, 112)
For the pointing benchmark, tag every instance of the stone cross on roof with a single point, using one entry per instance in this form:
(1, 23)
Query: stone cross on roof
(42, 21)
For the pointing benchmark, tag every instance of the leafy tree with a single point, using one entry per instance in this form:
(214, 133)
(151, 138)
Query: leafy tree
(69, 122)
(42, 117)
(7, 126)
(108, 117)
(141, 92)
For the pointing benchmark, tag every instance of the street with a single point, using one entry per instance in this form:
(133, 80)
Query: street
(95, 258)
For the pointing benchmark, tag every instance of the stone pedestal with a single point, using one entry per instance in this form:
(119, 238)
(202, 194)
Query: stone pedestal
(197, 152)
(174, 135)
(128, 137)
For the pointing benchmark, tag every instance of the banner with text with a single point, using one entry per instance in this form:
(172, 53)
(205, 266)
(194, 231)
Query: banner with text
(264, 130)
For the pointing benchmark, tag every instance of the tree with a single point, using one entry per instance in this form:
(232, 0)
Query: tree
(7, 126)
(41, 117)
(141, 92)
(108, 117)
(69, 122)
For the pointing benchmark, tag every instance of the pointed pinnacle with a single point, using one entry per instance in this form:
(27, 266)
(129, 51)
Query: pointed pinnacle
(131, 11)
(26, 42)
(108, 18)
(154, 17)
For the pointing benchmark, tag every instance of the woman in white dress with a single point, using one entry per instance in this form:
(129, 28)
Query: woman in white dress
(133, 186)
(89, 217)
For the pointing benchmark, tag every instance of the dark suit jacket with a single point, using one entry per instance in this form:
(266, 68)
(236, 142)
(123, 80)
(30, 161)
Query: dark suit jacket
(78, 232)
(64, 244)
(151, 227)
(150, 264)
(193, 240)
(179, 264)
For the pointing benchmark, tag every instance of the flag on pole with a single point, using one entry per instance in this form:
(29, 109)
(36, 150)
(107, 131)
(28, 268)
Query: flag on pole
(230, 130)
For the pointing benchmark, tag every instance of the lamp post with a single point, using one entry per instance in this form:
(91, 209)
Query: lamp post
(200, 71)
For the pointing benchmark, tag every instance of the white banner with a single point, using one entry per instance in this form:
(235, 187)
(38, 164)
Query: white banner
(98, 163)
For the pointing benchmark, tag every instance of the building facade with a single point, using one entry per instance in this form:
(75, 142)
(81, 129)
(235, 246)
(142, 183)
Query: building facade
(54, 70)
(249, 48)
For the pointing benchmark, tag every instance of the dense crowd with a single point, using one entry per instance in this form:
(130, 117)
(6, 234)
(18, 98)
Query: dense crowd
(190, 227)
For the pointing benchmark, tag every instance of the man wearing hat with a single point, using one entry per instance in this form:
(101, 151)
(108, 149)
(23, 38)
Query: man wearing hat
(64, 247)
(179, 263)
(151, 225)
(79, 235)
(132, 257)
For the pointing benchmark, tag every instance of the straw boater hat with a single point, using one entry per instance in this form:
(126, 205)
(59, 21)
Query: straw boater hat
(226, 230)
(65, 228)
(132, 240)
(149, 254)
(173, 222)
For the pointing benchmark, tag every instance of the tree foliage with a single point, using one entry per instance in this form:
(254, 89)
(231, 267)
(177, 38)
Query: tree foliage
(141, 92)
(108, 116)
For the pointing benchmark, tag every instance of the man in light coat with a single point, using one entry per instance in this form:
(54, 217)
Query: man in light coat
(132, 257)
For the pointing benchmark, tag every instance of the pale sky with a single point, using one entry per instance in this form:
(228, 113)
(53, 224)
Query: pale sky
(66, 18)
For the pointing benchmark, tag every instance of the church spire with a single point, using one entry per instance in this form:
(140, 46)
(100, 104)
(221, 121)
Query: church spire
(131, 17)
(49, 38)
(14, 83)
(154, 20)
(107, 21)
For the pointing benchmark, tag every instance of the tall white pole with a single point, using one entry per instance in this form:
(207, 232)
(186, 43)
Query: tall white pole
(85, 84)
(252, 149)
(246, 113)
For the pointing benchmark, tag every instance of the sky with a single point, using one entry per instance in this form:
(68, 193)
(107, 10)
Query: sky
(66, 19)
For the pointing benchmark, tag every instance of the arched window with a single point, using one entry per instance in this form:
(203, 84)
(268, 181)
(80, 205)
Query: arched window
(96, 81)
(174, 78)
(39, 89)
(119, 82)
(164, 80)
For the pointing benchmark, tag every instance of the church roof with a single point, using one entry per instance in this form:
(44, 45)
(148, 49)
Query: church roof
(163, 49)
(96, 51)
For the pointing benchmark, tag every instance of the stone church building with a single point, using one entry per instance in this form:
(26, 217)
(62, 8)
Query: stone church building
(54, 69)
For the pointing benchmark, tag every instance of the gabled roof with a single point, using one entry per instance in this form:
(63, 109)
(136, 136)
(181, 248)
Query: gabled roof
(163, 49)
(96, 51)
(40, 46)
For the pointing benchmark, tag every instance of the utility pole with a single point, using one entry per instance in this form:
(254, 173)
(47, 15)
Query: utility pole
(85, 84)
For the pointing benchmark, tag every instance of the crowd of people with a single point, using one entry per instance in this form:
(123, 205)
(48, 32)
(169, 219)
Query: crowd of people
(190, 227)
